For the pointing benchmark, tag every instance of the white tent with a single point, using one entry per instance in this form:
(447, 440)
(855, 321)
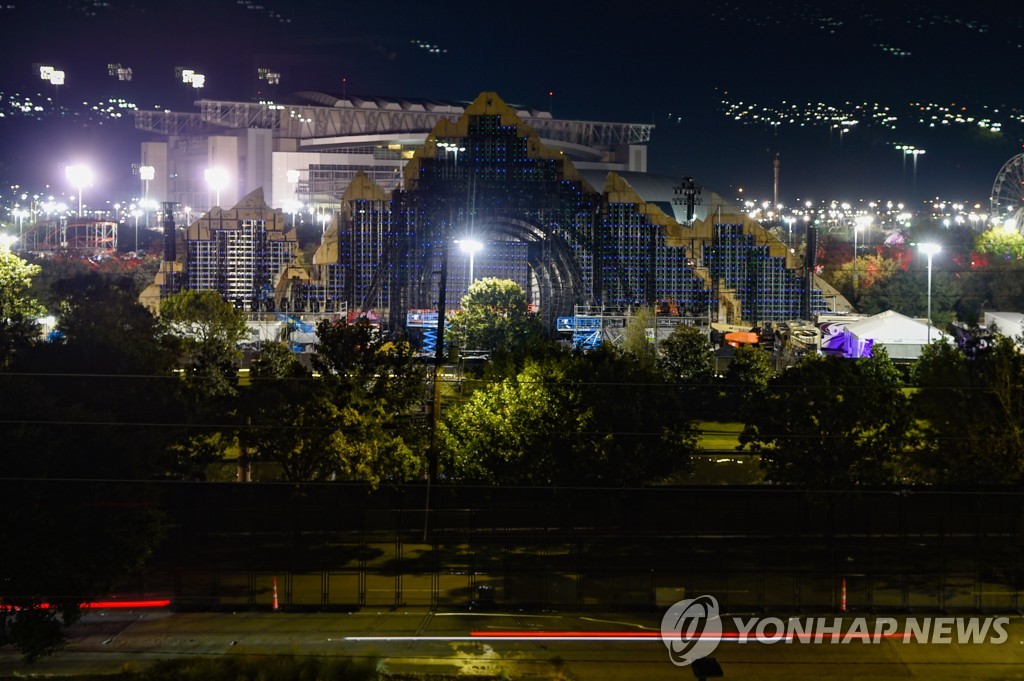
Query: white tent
(1009, 324)
(902, 336)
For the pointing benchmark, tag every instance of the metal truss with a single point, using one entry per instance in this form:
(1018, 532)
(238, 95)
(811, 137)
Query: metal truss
(171, 123)
(310, 122)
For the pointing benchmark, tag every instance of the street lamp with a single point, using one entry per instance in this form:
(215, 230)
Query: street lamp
(216, 179)
(80, 176)
(930, 250)
(21, 214)
(469, 246)
(452, 148)
(292, 206)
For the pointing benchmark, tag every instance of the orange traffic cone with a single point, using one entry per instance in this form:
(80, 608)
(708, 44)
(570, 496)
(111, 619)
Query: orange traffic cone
(274, 606)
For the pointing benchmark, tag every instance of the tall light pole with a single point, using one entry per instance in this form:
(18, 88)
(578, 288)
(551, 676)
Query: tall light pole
(21, 214)
(135, 214)
(292, 206)
(453, 149)
(859, 222)
(470, 247)
(930, 250)
(856, 279)
(146, 174)
(79, 176)
(216, 179)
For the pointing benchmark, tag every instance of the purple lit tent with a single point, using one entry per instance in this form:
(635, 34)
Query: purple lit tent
(902, 336)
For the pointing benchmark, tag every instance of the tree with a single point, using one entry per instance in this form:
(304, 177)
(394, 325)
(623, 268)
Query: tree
(495, 317)
(207, 330)
(832, 423)
(687, 359)
(747, 380)
(907, 292)
(364, 365)
(872, 270)
(18, 310)
(995, 283)
(635, 339)
(687, 355)
(570, 419)
(355, 422)
(1001, 243)
(204, 330)
(86, 403)
(972, 410)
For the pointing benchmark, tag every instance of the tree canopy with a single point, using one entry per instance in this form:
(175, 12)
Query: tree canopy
(18, 310)
(972, 411)
(207, 329)
(831, 423)
(495, 317)
(570, 419)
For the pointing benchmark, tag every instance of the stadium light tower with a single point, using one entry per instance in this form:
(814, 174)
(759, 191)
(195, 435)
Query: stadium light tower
(930, 250)
(470, 247)
(80, 176)
(146, 174)
(216, 179)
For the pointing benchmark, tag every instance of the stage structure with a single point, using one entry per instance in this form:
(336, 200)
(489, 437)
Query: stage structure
(604, 242)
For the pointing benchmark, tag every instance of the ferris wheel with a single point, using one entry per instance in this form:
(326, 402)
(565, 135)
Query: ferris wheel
(1007, 207)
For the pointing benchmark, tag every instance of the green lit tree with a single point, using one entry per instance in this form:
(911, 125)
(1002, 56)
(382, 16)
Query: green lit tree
(204, 331)
(687, 359)
(570, 419)
(907, 293)
(495, 317)
(357, 421)
(18, 309)
(1001, 243)
(636, 340)
(687, 355)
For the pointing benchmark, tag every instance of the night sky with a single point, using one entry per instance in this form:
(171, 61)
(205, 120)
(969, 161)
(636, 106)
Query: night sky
(684, 66)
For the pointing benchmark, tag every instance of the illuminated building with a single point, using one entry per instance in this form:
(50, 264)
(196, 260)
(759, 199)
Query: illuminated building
(310, 149)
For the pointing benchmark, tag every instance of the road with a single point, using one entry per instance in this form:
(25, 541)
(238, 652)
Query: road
(418, 640)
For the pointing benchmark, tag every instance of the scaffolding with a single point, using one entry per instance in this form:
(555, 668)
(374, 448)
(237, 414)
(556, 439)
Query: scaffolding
(240, 262)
